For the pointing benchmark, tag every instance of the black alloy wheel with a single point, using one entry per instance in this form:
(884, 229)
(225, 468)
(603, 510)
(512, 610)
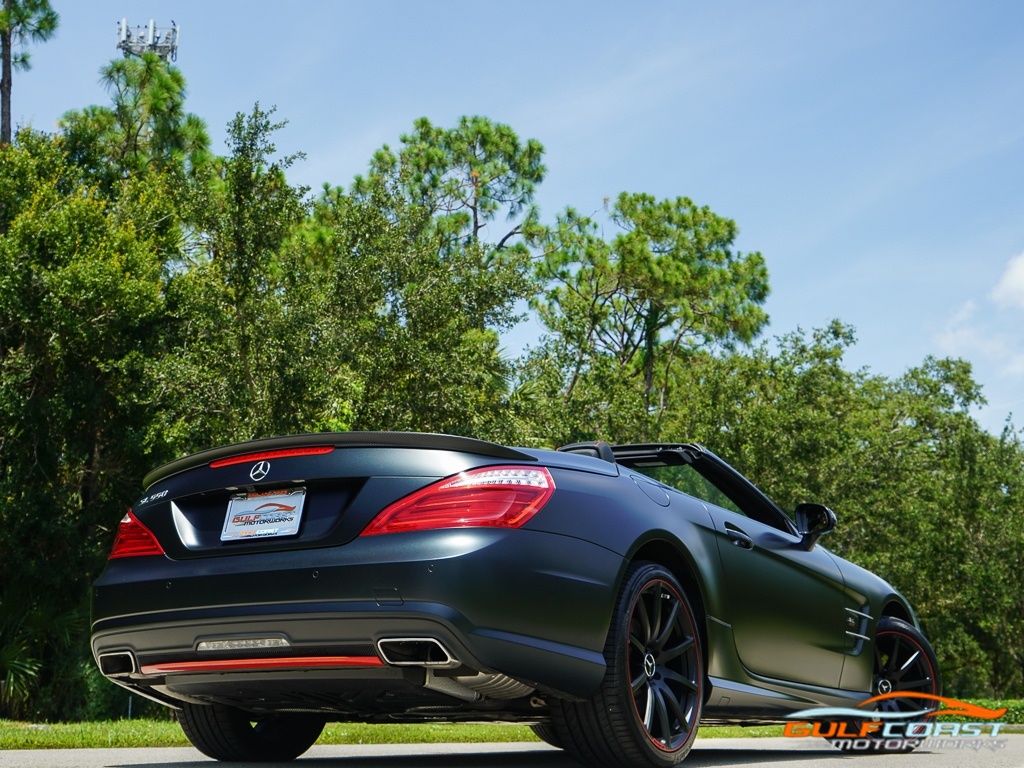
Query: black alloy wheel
(905, 663)
(648, 708)
(664, 671)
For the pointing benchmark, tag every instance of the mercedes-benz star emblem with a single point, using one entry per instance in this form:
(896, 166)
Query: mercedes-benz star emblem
(650, 667)
(259, 471)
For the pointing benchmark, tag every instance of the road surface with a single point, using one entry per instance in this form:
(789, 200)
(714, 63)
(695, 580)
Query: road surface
(768, 753)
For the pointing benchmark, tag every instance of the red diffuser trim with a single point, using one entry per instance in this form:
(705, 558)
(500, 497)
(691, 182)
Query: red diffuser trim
(243, 665)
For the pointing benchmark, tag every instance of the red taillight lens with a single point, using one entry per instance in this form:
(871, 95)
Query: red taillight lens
(134, 539)
(502, 497)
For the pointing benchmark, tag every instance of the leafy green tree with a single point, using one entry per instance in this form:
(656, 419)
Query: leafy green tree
(18, 665)
(21, 21)
(80, 311)
(146, 127)
(465, 177)
(789, 414)
(229, 334)
(568, 396)
(353, 317)
(925, 497)
(415, 326)
(636, 308)
(37, 635)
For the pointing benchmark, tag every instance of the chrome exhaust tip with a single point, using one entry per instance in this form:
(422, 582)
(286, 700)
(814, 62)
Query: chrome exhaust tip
(118, 664)
(416, 652)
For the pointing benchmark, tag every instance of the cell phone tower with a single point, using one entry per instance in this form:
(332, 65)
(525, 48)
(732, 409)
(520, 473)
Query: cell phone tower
(134, 41)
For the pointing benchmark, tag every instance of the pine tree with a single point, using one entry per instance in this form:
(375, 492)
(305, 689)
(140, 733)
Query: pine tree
(21, 21)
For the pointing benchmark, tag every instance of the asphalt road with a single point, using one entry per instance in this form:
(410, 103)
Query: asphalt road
(770, 753)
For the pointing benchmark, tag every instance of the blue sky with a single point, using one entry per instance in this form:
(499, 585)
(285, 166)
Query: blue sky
(873, 152)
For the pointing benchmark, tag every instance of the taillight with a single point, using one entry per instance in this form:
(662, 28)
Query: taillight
(282, 453)
(501, 497)
(134, 539)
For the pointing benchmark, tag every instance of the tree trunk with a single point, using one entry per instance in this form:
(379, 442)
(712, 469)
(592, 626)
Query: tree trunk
(650, 342)
(5, 80)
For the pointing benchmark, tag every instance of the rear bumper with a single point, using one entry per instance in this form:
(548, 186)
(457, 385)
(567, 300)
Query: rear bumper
(532, 606)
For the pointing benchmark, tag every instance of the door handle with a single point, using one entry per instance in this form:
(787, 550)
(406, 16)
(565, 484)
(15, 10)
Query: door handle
(738, 537)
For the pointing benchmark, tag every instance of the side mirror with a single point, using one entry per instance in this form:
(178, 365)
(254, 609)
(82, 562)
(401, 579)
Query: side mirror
(813, 521)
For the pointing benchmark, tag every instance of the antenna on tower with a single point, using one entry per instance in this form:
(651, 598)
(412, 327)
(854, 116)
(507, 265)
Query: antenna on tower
(134, 41)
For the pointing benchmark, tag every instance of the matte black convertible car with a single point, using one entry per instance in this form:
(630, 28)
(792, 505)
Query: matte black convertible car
(610, 597)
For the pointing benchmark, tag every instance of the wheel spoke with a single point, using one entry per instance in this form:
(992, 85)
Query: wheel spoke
(655, 628)
(645, 622)
(639, 682)
(889, 668)
(677, 710)
(910, 661)
(669, 625)
(906, 705)
(637, 643)
(649, 710)
(913, 684)
(670, 674)
(662, 710)
(676, 651)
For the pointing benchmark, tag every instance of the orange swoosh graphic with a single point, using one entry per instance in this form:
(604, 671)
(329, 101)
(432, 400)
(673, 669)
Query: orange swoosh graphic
(275, 507)
(953, 706)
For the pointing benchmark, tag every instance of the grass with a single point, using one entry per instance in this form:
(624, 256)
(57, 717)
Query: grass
(113, 733)
(167, 733)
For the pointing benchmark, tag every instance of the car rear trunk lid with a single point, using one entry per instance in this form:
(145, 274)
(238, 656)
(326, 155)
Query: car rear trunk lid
(297, 492)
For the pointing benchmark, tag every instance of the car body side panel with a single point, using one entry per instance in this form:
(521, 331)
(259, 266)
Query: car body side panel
(619, 515)
(785, 603)
(628, 519)
(868, 594)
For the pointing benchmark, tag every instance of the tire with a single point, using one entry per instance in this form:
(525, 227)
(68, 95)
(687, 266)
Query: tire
(546, 732)
(646, 712)
(904, 662)
(229, 734)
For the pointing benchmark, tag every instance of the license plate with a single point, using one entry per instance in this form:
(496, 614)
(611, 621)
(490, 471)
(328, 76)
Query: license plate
(263, 515)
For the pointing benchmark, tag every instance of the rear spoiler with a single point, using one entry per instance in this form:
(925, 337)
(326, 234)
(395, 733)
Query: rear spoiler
(340, 440)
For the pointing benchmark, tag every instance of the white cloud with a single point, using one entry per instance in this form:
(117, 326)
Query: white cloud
(1009, 291)
(981, 340)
